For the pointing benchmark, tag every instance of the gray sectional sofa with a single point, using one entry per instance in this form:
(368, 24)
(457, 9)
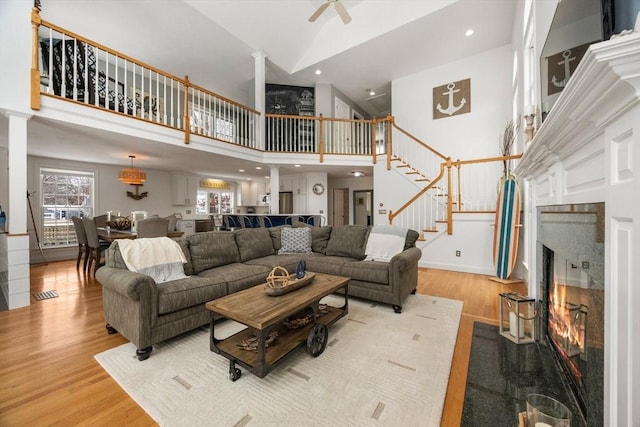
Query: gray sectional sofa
(223, 262)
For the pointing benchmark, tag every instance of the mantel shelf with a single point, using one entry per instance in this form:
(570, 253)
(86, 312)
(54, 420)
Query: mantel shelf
(605, 85)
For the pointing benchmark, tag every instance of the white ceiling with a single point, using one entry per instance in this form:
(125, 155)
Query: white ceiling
(212, 41)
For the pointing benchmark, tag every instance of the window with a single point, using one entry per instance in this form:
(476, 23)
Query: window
(64, 194)
(213, 202)
(224, 129)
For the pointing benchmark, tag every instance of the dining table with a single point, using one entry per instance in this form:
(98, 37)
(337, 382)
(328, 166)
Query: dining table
(111, 234)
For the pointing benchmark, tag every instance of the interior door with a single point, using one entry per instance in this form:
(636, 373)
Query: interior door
(362, 207)
(341, 130)
(340, 214)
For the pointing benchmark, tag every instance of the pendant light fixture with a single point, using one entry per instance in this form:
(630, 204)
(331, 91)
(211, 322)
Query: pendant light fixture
(132, 176)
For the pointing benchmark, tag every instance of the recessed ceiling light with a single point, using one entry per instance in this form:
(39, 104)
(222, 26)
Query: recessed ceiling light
(469, 32)
(357, 173)
(259, 167)
(296, 166)
(372, 92)
(267, 177)
(318, 72)
(240, 170)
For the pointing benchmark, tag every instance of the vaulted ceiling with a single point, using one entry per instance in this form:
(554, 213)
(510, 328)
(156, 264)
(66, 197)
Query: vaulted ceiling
(213, 41)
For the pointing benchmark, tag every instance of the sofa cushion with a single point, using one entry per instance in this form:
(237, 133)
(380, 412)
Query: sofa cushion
(253, 243)
(367, 271)
(348, 241)
(288, 261)
(328, 264)
(276, 235)
(183, 293)
(320, 238)
(212, 249)
(295, 240)
(239, 276)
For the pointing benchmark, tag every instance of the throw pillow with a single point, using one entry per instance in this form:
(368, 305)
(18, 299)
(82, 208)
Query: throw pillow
(295, 240)
(320, 238)
(348, 241)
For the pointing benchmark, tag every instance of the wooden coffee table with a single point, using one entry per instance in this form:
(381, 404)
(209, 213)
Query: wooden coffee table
(263, 314)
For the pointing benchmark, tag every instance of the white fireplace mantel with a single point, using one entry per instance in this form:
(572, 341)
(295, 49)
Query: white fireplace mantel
(604, 86)
(588, 150)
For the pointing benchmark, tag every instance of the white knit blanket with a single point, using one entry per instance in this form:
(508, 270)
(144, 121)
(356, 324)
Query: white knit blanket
(384, 242)
(159, 257)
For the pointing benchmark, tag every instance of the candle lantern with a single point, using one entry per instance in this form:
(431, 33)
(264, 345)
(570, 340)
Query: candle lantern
(517, 317)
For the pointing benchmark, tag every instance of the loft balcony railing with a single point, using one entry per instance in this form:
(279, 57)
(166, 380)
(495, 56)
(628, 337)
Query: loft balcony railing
(73, 68)
(68, 66)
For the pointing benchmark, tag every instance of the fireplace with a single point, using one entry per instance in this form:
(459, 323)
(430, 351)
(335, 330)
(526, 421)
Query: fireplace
(571, 250)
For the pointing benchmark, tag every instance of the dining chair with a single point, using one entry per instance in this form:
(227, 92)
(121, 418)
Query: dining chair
(95, 246)
(152, 227)
(81, 237)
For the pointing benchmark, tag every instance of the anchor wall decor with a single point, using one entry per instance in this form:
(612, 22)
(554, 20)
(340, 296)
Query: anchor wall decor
(136, 195)
(452, 99)
(561, 66)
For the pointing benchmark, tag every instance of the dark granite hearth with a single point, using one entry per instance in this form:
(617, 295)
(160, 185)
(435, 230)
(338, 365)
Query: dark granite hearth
(502, 374)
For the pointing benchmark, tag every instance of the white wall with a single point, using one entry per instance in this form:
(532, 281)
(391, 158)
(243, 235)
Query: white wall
(468, 136)
(465, 136)
(317, 204)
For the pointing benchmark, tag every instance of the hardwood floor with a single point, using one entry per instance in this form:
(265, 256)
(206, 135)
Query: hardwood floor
(48, 375)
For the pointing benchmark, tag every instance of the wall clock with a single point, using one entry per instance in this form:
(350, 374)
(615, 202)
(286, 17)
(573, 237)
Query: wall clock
(318, 189)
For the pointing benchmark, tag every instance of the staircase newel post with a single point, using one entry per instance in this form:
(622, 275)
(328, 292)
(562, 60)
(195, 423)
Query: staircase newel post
(459, 195)
(390, 121)
(321, 139)
(449, 199)
(374, 153)
(35, 67)
(186, 119)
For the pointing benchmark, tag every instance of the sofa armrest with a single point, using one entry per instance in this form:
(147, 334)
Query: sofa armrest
(125, 282)
(403, 274)
(405, 259)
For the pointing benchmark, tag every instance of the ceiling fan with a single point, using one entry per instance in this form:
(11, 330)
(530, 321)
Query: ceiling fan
(342, 11)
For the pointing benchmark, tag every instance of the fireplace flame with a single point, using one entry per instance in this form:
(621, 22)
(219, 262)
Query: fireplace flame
(567, 321)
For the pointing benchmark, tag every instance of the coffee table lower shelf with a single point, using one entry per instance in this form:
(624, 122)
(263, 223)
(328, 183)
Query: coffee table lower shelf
(262, 315)
(287, 341)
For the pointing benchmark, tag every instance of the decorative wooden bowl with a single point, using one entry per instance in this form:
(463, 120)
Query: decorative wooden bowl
(280, 282)
(120, 223)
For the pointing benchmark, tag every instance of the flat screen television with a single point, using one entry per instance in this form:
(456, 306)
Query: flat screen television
(576, 25)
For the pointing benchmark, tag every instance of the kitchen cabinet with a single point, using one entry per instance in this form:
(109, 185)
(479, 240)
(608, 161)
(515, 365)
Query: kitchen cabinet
(295, 183)
(286, 183)
(299, 184)
(184, 189)
(251, 193)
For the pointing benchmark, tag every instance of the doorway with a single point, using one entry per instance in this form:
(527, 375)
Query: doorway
(363, 207)
(340, 215)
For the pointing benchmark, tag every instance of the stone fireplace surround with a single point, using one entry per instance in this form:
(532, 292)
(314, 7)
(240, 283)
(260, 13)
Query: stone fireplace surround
(588, 151)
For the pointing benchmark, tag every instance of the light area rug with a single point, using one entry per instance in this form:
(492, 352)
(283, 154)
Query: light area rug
(379, 369)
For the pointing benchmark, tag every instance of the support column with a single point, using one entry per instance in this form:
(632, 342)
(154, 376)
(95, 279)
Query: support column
(259, 91)
(275, 189)
(17, 237)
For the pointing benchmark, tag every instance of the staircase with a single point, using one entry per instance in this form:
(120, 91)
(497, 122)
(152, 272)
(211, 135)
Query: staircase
(437, 184)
